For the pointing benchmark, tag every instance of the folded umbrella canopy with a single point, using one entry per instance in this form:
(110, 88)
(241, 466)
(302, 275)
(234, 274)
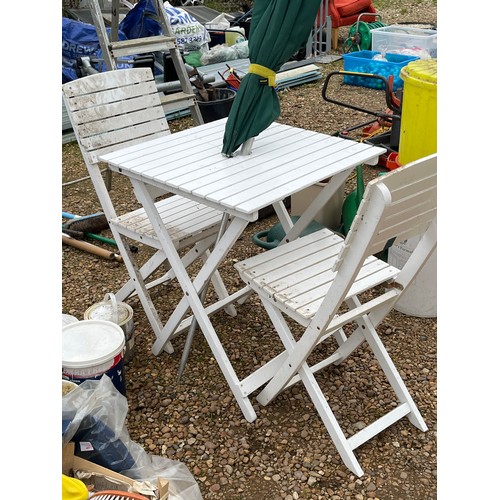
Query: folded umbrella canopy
(278, 29)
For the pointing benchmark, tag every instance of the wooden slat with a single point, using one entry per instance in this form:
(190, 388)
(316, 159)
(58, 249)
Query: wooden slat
(107, 81)
(407, 195)
(107, 109)
(141, 45)
(94, 155)
(154, 117)
(381, 274)
(177, 102)
(419, 223)
(174, 98)
(113, 95)
(184, 219)
(120, 136)
(298, 275)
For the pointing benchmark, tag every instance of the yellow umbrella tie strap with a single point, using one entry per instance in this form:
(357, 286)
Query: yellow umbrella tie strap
(268, 74)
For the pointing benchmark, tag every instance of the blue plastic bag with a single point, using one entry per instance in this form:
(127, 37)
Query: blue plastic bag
(79, 40)
(141, 21)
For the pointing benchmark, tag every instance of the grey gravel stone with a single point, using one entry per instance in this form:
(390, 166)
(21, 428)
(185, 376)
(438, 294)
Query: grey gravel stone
(286, 453)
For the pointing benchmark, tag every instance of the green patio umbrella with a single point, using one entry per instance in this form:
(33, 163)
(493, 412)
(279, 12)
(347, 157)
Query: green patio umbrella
(278, 29)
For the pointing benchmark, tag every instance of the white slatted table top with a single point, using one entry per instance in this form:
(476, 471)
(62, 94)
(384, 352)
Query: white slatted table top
(283, 161)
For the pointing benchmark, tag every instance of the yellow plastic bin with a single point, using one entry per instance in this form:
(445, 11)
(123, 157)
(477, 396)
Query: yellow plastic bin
(418, 139)
(418, 136)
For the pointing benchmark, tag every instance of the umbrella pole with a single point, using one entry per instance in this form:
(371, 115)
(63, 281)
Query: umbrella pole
(246, 147)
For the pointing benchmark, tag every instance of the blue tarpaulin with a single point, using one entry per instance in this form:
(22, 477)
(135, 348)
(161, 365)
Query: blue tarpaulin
(80, 40)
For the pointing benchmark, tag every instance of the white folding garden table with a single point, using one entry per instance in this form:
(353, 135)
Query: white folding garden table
(283, 161)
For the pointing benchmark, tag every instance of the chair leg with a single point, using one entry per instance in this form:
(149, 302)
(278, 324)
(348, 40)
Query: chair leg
(108, 174)
(128, 289)
(329, 420)
(140, 286)
(315, 393)
(335, 38)
(393, 376)
(220, 288)
(365, 331)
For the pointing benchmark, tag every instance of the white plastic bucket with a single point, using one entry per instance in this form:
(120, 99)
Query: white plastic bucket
(121, 314)
(67, 319)
(92, 348)
(420, 298)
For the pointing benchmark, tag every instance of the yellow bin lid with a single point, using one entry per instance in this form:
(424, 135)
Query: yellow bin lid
(73, 489)
(422, 70)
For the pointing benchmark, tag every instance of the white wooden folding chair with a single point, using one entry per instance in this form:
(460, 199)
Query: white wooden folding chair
(115, 109)
(319, 281)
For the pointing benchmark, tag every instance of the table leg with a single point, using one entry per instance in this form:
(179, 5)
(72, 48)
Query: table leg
(203, 293)
(192, 289)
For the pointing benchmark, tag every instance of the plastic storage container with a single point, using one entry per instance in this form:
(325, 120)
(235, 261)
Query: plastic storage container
(418, 139)
(363, 62)
(398, 39)
(418, 136)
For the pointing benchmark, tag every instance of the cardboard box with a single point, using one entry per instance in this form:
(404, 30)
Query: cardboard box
(106, 479)
(330, 215)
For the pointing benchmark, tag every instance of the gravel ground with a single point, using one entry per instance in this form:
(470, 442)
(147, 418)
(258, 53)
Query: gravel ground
(286, 453)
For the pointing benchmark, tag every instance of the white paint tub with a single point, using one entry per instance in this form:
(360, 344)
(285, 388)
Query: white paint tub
(92, 348)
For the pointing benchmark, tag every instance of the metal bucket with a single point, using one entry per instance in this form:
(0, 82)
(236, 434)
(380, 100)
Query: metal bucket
(119, 313)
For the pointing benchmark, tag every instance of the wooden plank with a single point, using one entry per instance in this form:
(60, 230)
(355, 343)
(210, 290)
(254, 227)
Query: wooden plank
(153, 117)
(106, 109)
(108, 81)
(120, 136)
(141, 45)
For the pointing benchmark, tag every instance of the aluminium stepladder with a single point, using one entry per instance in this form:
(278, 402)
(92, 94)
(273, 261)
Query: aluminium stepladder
(113, 48)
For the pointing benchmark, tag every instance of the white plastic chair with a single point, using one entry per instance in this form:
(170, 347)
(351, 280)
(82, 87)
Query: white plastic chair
(320, 280)
(115, 109)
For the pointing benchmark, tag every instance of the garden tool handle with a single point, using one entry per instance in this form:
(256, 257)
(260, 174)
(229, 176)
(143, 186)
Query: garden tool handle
(388, 94)
(88, 247)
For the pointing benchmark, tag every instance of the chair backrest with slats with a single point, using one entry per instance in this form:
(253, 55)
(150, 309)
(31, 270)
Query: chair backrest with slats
(112, 110)
(395, 207)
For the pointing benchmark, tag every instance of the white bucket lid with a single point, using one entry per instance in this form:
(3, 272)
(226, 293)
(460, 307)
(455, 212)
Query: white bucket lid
(90, 343)
(67, 319)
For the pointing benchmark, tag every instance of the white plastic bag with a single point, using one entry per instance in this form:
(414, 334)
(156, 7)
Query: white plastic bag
(191, 35)
(218, 23)
(94, 414)
(221, 53)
